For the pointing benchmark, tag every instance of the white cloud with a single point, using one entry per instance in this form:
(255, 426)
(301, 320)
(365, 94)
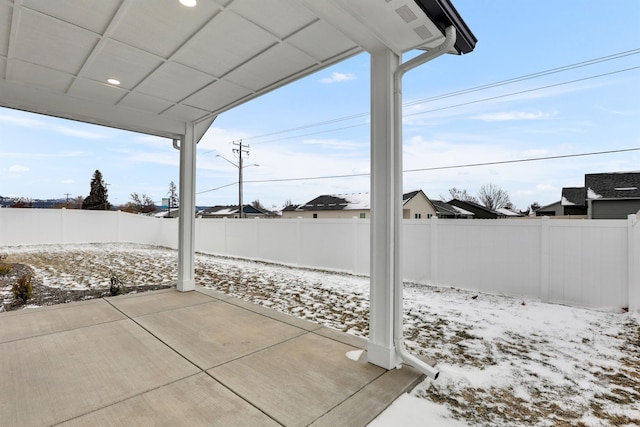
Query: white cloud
(338, 78)
(78, 133)
(34, 123)
(21, 121)
(512, 115)
(67, 181)
(20, 155)
(18, 169)
(334, 144)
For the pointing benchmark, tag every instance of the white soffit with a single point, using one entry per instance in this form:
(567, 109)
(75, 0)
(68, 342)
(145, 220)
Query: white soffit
(177, 64)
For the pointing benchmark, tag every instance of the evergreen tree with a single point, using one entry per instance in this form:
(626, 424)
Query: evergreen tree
(174, 200)
(97, 199)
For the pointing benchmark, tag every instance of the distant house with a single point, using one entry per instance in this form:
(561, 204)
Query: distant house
(415, 205)
(604, 196)
(165, 213)
(508, 213)
(612, 195)
(573, 201)
(552, 209)
(445, 210)
(232, 211)
(479, 211)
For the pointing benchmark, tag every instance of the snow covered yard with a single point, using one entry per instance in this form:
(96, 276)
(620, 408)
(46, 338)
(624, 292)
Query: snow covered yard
(503, 361)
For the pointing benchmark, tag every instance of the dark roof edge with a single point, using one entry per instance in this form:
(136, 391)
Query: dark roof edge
(444, 14)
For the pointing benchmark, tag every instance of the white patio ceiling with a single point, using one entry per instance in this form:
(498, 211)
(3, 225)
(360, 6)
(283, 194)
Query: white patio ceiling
(177, 64)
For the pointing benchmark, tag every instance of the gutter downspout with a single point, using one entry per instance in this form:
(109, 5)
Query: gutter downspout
(398, 336)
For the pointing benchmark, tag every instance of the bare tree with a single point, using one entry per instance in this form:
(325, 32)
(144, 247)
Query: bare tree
(455, 193)
(23, 202)
(493, 197)
(256, 204)
(141, 203)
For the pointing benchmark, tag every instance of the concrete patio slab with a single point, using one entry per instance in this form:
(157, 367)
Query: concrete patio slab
(56, 377)
(34, 322)
(361, 408)
(216, 332)
(299, 380)
(195, 401)
(142, 304)
(170, 358)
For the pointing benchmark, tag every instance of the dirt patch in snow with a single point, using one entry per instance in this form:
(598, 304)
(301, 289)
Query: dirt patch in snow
(503, 361)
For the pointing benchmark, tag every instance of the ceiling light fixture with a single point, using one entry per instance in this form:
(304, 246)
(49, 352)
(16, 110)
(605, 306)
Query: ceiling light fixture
(188, 3)
(113, 81)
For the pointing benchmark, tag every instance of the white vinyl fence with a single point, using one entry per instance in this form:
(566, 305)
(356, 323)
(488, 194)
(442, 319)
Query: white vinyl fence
(592, 263)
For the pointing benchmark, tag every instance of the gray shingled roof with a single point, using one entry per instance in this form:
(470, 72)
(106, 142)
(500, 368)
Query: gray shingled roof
(574, 196)
(338, 202)
(618, 185)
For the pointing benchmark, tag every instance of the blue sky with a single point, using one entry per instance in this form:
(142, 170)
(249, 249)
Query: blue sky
(590, 108)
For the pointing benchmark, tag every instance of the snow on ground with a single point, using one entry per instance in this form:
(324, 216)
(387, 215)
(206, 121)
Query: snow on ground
(503, 361)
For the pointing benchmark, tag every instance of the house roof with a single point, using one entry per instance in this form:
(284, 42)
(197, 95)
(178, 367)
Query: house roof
(618, 185)
(178, 65)
(507, 212)
(573, 196)
(550, 206)
(477, 209)
(335, 202)
(233, 209)
(443, 208)
(406, 197)
(339, 202)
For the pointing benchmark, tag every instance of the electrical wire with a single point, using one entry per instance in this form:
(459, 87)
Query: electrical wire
(449, 95)
(467, 165)
(457, 93)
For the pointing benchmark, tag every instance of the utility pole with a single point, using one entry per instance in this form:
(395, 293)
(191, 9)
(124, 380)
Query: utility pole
(238, 152)
(66, 205)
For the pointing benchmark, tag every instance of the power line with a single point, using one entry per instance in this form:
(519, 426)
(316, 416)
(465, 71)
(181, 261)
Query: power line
(457, 105)
(453, 94)
(467, 165)
(217, 188)
(527, 76)
(530, 159)
(522, 91)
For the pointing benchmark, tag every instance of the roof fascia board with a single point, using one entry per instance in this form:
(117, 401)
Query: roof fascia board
(58, 105)
(444, 14)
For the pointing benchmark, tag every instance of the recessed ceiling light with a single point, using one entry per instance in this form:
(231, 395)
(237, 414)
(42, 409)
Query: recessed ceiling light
(113, 81)
(188, 3)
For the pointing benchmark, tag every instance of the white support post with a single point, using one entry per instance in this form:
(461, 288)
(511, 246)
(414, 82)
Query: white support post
(186, 221)
(386, 210)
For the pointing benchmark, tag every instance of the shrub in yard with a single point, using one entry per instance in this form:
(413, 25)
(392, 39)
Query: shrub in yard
(5, 267)
(23, 290)
(117, 285)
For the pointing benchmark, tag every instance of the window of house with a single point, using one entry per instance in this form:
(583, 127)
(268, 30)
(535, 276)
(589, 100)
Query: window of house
(418, 216)
(315, 215)
(363, 215)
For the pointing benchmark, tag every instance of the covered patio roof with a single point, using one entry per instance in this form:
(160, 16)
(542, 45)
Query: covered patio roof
(178, 64)
(162, 68)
